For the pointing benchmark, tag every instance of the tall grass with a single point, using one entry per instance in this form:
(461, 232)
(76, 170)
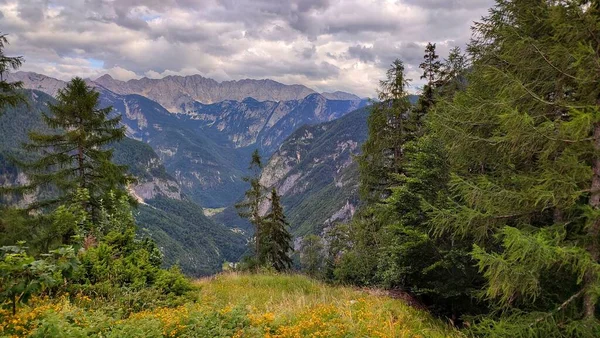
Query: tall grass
(302, 307)
(231, 305)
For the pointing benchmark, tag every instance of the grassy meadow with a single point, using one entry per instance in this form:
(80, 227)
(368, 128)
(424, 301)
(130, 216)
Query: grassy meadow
(228, 305)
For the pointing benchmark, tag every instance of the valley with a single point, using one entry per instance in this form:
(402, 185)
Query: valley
(195, 158)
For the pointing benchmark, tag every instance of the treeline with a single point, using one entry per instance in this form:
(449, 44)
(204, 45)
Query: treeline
(75, 232)
(483, 199)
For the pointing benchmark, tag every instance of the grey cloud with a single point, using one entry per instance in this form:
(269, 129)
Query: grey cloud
(318, 41)
(308, 53)
(32, 11)
(449, 4)
(384, 53)
(364, 54)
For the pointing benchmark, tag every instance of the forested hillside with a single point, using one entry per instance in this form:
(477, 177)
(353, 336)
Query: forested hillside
(162, 201)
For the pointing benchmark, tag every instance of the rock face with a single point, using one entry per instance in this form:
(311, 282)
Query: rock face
(266, 124)
(174, 91)
(315, 173)
(39, 82)
(340, 96)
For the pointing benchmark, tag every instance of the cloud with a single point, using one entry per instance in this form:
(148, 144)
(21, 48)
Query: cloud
(325, 44)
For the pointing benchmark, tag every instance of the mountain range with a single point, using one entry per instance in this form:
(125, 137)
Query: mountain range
(192, 156)
(207, 146)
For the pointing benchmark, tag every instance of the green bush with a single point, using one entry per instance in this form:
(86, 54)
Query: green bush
(172, 281)
(22, 276)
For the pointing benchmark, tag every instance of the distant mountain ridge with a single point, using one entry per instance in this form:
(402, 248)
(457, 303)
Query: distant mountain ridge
(207, 146)
(175, 92)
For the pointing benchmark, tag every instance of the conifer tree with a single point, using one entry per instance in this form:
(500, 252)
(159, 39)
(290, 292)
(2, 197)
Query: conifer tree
(524, 143)
(255, 195)
(431, 67)
(437, 270)
(9, 95)
(274, 237)
(75, 155)
(388, 131)
(382, 156)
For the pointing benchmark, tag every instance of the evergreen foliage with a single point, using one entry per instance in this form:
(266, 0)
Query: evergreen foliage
(388, 130)
(74, 155)
(274, 238)
(9, 94)
(254, 196)
(523, 142)
(312, 256)
(432, 72)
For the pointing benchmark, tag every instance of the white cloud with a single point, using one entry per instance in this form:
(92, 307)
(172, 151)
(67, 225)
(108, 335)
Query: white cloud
(325, 44)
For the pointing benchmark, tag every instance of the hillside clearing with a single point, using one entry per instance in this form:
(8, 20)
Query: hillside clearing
(233, 305)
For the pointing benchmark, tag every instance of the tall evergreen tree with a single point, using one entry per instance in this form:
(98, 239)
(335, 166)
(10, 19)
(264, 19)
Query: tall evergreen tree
(524, 144)
(9, 95)
(437, 270)
(431, 67)
(388, 131)
(254, 196)
(382, 157)
(274, 237)
(75, 155)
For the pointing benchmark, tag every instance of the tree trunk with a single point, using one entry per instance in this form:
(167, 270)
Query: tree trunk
(590, 278)
(81, 168)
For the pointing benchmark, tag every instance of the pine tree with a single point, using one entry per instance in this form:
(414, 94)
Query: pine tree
(431, 67)
(9, 95)
(254, 196)
(453, 71)
(75, 155)
(382, 156)
(524, 143)
(388, 131)
(275, 240)
(437, 270)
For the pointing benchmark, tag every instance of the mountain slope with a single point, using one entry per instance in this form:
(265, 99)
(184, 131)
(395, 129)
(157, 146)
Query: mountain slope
(266, 124)
(178, 225)
(315, 173)
(206, 168)
(207, 148)
(174, 91)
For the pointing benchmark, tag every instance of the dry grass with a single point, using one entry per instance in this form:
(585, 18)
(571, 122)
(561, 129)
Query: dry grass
(302, 307)
(232, 305)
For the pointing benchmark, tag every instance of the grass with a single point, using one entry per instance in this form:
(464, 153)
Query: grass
(210, 212)
(233, 305)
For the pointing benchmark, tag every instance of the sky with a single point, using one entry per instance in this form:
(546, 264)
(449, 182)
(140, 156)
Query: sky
(327, 45)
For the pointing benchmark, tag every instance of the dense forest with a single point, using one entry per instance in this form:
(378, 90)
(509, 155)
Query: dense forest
(479, 202)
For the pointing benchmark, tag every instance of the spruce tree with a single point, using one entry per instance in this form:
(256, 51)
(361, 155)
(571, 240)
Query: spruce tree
(274, 237)
(75, 156)
(524, 144)
(438, 271)
(388, 131)
(9, 95)
(254, 196)
(431, 67)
